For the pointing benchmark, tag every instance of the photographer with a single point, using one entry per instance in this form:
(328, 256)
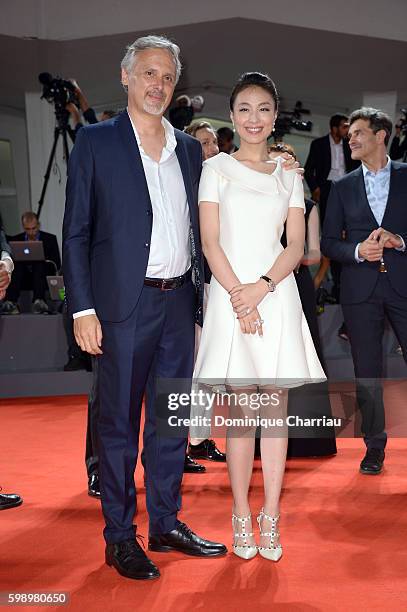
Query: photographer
(87, 111)
(397, 150)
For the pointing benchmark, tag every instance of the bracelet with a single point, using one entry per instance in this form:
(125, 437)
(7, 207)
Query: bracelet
(271, 284)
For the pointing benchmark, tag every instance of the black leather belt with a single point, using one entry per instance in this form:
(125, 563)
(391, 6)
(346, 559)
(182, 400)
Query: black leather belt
(166, 284)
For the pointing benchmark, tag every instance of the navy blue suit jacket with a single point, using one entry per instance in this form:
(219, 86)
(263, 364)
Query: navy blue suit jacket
(348, 210)
(108, 219)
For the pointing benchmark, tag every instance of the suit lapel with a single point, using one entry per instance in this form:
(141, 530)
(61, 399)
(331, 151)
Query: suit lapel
(394, 189)
(361, 189)
(133, 158)
(184, 164)
(327, 155)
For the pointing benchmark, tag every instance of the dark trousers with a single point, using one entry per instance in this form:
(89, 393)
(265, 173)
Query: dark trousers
(92, 443)
(75, 351)
(310, 401)
(365, 324)
(156, 341)
(325, 188)
(335, 265)
(28, 276)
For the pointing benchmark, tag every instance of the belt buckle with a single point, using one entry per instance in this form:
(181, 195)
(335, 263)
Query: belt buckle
(163, 287)
(382, 267)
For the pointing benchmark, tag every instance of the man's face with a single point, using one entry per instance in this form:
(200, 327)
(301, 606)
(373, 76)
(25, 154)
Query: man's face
(363, 141)
(341, 131)
(151, 82)
(31, 228)
(209, 142)
(343, 128)
(226, 145)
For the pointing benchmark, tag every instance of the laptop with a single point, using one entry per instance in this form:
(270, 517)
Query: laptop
(56, 287)
(27, 250)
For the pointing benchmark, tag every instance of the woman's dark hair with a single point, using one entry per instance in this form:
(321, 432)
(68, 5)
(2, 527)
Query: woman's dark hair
(254, 79)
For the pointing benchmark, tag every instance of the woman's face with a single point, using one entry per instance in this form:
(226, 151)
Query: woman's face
(209, 142)
(254, 115)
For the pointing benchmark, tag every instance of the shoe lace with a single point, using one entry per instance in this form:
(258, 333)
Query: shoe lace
(131, 548)
(185, 530)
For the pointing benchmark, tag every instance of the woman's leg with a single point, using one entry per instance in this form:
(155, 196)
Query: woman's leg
(239, 456)
(273, 446)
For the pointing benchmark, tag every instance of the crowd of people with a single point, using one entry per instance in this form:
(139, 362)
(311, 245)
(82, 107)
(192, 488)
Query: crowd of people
(239, 267)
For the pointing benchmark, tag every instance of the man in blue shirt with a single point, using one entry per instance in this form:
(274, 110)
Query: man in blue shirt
(369, 205)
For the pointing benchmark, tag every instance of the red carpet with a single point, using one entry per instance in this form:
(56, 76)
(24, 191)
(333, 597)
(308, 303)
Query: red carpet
(344, 534)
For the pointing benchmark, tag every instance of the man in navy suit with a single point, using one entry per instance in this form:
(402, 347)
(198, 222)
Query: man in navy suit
(133, 267)
(369, 205)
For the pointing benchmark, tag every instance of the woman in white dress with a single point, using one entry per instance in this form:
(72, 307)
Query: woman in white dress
(254, 329)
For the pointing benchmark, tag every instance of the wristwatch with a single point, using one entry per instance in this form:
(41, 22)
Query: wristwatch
(271, 284)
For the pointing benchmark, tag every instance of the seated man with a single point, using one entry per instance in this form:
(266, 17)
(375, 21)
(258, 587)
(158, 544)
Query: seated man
(32, 275)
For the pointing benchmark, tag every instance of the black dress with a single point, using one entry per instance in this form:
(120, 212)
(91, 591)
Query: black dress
(316, 395)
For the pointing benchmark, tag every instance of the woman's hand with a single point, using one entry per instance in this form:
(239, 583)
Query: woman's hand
(252, 323)
(246, 297)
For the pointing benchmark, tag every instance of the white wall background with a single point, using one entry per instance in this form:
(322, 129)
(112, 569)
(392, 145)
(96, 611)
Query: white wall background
(13, 128)
(40, 125)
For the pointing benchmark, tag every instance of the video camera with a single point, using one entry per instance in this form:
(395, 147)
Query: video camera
(288, 120)
(59, 92)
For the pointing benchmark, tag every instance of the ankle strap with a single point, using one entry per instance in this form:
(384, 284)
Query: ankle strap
(241, 519)
(273, 519)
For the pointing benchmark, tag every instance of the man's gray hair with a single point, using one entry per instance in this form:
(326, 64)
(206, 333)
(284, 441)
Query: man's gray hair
(151, 42)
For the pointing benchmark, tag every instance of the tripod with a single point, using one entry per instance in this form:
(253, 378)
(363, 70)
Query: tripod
(62, 128)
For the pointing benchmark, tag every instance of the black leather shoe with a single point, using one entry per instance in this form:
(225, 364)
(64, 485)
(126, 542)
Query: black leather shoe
(192, 467)
(182, 539)
(206, 449)
(131, 561)
(372, 462)
(9, 500)
(93, 485)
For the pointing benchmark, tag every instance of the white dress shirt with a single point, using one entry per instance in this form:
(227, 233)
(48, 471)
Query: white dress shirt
(170, 252)
(338, 169)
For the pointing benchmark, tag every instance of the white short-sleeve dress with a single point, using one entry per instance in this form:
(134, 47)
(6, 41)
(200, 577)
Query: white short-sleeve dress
(253, 208)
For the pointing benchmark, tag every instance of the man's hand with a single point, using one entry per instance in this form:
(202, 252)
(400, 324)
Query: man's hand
(246, 297)
(76, 86)
(291, 164)
(88, 334)
(386, 239)
(370, 249)
(316, 195)
(5, 278)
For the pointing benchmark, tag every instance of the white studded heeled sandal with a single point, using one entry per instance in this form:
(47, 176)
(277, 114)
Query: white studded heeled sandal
(274, 551)
(245, 550)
